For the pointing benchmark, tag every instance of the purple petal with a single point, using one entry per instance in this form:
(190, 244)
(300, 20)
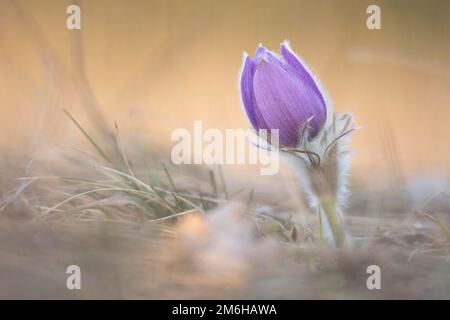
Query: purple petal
(260, 53)
(286, 103)
(263, 54)
(248, 97)
(294, 62)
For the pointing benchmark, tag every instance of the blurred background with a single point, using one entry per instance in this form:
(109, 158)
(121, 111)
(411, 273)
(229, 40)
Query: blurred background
(154, 66)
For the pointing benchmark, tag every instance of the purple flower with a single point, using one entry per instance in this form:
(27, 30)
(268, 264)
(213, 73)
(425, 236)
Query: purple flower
(278, 92)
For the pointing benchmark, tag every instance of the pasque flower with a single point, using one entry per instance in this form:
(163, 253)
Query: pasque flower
(278, 92)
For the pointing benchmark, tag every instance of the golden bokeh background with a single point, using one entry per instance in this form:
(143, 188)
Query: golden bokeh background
(154, 66)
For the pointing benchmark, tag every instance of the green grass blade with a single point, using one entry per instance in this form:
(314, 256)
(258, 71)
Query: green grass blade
(88, 137)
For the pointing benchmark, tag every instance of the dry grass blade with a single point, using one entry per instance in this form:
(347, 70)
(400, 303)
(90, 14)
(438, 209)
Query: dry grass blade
(19, 190)
(443, 227)
(78, 195)
(176, 215)
(224, 185)
(146, 187)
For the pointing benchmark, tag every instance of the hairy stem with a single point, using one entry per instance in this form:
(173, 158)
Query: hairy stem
(328, 206)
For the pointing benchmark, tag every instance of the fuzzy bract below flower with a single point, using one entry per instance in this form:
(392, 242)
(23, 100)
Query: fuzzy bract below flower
(278, 92)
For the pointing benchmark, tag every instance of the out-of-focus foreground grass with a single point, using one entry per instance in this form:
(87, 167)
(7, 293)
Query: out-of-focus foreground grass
(150, 230)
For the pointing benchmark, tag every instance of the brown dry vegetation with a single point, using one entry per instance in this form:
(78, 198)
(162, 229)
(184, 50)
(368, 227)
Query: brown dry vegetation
(141, 229)
(165, 238)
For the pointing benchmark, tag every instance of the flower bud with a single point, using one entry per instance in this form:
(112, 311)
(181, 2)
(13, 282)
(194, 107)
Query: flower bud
(278, 92)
